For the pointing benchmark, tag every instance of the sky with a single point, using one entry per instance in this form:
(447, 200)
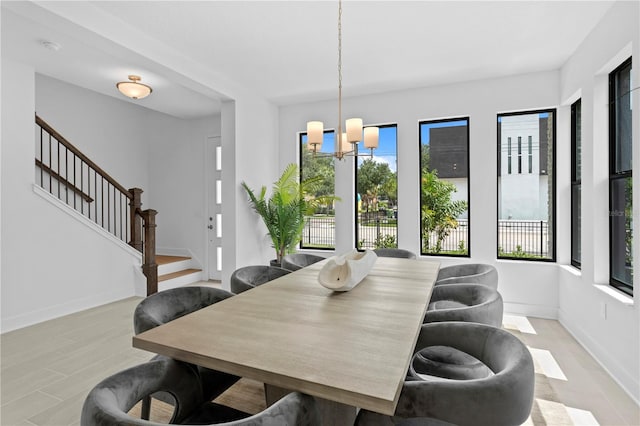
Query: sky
(425, 134)
(385, 153)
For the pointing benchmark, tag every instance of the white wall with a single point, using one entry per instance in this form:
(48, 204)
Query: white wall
(53, 264)
(608, 326)
(106, 130)
(527, 287)
(138, 147)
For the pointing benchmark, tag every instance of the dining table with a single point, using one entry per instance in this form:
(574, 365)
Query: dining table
(349, 349)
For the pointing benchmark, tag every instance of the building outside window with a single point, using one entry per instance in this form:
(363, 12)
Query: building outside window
(526, 202)
(376, 182)
(576, 183)
(444, 189)
(319, 230)
(620, 175)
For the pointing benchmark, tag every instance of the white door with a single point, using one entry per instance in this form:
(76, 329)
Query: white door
(214, 197)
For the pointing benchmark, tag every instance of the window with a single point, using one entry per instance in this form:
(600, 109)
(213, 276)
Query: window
(519, 154)
(377, 193)
(526, 202)
(620, 185)
(530, 151)
(444, 188)
(509, 155)
(576, 182)
(319, 230)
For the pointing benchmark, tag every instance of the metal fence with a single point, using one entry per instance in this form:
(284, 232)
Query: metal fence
(523, 238)
(319, 232)
(457, 241)
(516, 238)
(377, 232)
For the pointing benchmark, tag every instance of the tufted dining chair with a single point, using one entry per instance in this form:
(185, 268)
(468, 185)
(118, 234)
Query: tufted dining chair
(165, 306)
(465, 302)
(248, 277)
(499, 394)
(479, 273)
(110, 401)
(295, 261)
(395, 252)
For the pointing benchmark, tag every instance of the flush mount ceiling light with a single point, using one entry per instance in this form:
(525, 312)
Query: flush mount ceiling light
(133, 89)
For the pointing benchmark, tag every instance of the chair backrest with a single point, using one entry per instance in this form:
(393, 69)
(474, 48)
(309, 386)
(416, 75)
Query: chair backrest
(248, 277)
(165, 306)
(110, 400)
(295, 261)
(480, 273)
(465, 302)
(503, 398)
(395, 252)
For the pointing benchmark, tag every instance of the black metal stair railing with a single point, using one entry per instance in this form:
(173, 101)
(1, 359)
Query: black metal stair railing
(66, 173)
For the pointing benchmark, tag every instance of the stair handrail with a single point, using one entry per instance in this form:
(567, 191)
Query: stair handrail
(139, 219)
(79, 154)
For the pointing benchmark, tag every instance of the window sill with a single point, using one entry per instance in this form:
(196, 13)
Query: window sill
(572, 270)
(624, 299)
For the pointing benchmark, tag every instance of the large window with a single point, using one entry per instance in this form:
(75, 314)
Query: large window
(576, 183)
(620, 186)
(377, 193)
(444, 187)
(526, 199)
(319, 230)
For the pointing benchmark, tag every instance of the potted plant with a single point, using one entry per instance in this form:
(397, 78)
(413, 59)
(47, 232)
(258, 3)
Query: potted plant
(283, 213)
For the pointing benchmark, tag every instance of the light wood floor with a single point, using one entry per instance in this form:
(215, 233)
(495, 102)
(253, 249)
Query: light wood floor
(48, 369)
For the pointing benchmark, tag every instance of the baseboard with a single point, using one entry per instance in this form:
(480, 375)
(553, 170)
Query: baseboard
(538, 311)
(30, 318)
(630, 384)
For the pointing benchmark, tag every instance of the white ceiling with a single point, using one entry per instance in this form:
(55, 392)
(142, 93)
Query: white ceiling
(287, 50)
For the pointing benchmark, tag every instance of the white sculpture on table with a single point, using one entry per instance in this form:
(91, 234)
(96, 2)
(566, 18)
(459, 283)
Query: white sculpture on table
(342, 273)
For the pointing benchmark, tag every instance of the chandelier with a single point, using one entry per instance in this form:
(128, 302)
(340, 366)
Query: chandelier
(346, 142)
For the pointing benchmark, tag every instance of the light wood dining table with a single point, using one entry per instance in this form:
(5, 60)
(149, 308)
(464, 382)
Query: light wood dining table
(349, 349)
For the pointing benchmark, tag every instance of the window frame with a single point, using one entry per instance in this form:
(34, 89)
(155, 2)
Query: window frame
(614, 175)
(468, 172)
(300, 174)
(355, 187)
(576, 181)
(553, 213)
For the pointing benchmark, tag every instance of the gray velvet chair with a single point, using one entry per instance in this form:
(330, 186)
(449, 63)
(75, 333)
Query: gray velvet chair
(248, 277)
(480, 273)
(395, 252)
(108, 403)
(165, 306)
(501, 394)
(295, 261)
(465, 302)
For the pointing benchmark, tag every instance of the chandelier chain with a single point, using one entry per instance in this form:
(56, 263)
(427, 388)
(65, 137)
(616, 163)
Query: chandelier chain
(339, 136)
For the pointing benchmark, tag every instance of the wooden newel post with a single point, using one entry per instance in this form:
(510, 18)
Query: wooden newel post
(135, 221)
(150, 267)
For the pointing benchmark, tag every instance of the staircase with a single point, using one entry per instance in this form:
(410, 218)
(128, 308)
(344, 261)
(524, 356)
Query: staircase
(176, 271)
(73, 178)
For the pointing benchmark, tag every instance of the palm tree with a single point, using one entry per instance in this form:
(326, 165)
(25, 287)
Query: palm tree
(284, 212)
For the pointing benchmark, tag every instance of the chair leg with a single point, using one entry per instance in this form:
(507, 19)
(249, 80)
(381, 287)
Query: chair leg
(145, 411)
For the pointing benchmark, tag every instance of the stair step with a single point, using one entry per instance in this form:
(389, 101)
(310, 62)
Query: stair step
(178, 274)
(163, 260)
